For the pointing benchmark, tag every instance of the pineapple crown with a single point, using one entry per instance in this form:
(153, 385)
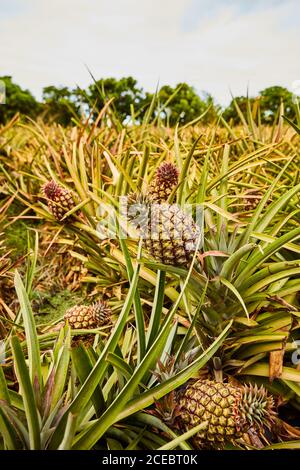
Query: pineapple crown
(138, 198)
(171, 367)
(102, 311)
(138, 209)
(51, 189)
(255, 407)
(167, 173)
(167, 409)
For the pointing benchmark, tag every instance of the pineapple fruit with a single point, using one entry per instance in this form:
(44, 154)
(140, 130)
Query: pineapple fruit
(170, 236)
(88, 317)
(165, 180)
(59, 200)
(229, 410)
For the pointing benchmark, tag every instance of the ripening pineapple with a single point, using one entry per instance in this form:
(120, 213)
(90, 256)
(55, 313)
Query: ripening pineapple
(165, 180)
(59, 200)
(170, 236)
(88, 316)
(229, 410)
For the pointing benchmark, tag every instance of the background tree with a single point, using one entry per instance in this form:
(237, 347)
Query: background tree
(269, 103)
(61, 104)
(184, 106)
(271, 98)
(125, 92)
(231, 113)
(17, 100)
(174, 104)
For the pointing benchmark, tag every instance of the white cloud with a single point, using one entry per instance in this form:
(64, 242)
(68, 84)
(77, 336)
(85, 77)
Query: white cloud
(50, 43)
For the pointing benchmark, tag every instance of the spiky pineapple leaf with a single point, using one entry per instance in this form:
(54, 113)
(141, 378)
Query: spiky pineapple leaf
(26, 388)
(30, 331)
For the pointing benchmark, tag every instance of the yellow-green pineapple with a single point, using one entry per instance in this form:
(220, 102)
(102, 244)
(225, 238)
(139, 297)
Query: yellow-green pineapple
(230, 410)
(170, 235)
(88, 316)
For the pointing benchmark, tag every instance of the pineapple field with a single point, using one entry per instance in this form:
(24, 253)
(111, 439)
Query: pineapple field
(150, 284)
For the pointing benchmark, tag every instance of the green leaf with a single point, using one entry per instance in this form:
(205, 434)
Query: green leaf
(284, 445)
(4, 394)
(155, 317)
(120, 364)
(69, 434)
(30, 331)
(156, 423)
(61, 370)
(181, 196)
(188, 334)
(233, 261)
(7, 430)
(219, 210)
(297, 128)
(274, 208)
(259, 257)
(31, 263)
(288, 373)
(235, 292)
(262, 221)
(84, 366)
(186, 435)
(269, 280)
(223, 187)
(139, 316)
(26, 390)
(148, 398)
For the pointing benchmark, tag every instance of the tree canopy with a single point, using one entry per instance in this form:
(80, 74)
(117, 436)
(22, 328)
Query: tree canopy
(269, 101)
(182, 104)
(60, 104)
(17, 100)
(125, 93)
(178, 104)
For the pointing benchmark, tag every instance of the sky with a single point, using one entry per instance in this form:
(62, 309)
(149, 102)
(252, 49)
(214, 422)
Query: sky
(220, 47)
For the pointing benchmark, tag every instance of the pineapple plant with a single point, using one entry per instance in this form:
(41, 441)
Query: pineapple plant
(235, 266)
(170, 235)
(230, 410)
(59, 200)
(164, 182)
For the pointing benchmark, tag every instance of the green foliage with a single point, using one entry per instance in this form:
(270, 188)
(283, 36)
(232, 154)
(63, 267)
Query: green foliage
(226, 316)
(266, 106)
(131, 104)
(271, 98)
(60, 105)
(181, 104)
(60, 393)
(125, 93)
(17, 100)
(231, 113)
